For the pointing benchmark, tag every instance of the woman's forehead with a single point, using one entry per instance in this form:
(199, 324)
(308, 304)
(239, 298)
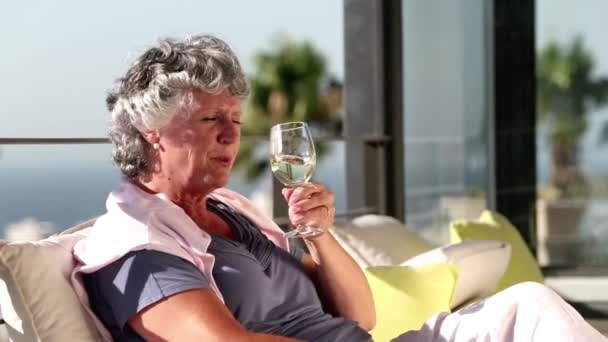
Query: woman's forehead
(203, 100)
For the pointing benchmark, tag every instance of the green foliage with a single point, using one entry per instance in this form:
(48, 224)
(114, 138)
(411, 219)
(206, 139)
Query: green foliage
(567, 129)
(567, 89)
(287, 82)
(287, 85)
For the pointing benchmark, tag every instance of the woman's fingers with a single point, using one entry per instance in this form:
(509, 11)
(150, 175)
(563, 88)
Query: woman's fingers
(311, 204)
(315, 200)
(287, 192)
(303, 192)
(316, 217)
(306, 192)
(307, 199)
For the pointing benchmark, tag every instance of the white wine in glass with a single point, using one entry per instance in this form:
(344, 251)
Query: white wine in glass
(293, 160)
(291, 170)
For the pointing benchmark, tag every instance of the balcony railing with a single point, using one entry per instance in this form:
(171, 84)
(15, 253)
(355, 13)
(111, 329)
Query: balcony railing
(372, 140)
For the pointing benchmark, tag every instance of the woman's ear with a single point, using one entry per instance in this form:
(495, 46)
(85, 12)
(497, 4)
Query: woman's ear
(152, 137)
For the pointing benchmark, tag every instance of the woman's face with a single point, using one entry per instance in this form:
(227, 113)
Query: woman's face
(198, 148)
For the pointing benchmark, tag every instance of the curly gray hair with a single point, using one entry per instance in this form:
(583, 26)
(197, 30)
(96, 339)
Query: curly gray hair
(157, 86)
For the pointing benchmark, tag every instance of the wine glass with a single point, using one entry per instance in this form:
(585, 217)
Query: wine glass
(293, 160)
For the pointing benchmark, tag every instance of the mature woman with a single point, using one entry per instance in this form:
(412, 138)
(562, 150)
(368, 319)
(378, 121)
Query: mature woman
(175, 133)
(178, 258)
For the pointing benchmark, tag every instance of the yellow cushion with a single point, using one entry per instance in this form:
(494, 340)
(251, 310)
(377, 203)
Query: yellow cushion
(493, 226)
(406, 296)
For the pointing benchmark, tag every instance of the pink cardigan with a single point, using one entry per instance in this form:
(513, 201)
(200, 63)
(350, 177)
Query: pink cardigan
(137, 220)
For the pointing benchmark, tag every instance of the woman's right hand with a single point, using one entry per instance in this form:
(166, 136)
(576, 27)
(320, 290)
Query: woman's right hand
(311, 204)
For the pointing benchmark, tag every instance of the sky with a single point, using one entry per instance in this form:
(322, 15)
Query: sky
(59, 57)
(564, 19)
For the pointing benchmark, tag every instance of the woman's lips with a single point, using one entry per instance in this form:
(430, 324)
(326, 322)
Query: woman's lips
(223, 160)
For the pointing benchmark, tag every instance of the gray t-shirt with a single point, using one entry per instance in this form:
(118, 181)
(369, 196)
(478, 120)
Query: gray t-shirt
(266, 288)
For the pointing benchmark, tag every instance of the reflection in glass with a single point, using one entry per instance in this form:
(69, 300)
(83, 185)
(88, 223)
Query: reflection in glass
(445, 83)
(572, 121)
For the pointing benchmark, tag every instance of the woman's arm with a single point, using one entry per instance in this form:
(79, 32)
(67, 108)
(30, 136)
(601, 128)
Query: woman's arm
(342, 284)
(343, 287)
(194, 315)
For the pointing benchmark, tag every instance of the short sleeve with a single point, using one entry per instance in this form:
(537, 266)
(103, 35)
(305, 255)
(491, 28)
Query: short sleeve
(142, 278)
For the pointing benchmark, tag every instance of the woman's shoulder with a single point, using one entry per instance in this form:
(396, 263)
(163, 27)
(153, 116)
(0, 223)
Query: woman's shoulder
(137, 280)
(140, 265)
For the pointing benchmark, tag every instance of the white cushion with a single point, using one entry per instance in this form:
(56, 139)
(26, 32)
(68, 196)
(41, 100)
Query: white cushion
(37, 300)
(376, 240)
(480, 265)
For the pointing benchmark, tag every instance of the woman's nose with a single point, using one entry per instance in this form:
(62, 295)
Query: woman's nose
(230, 132)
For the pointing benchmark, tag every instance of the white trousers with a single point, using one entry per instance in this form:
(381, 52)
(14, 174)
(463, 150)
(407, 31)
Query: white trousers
(521, 313)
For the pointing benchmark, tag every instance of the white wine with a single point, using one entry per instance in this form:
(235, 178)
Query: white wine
(292, 170)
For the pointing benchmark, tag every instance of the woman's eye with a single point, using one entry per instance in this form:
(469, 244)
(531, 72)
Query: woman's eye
(216, 118)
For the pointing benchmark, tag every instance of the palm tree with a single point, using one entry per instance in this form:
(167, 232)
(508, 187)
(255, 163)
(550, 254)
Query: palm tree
(567, 90)
(288, 85)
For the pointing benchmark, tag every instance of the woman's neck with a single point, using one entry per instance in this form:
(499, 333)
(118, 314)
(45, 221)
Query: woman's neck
(193, 204)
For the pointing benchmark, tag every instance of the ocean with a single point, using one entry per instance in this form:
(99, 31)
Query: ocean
(48, 188)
